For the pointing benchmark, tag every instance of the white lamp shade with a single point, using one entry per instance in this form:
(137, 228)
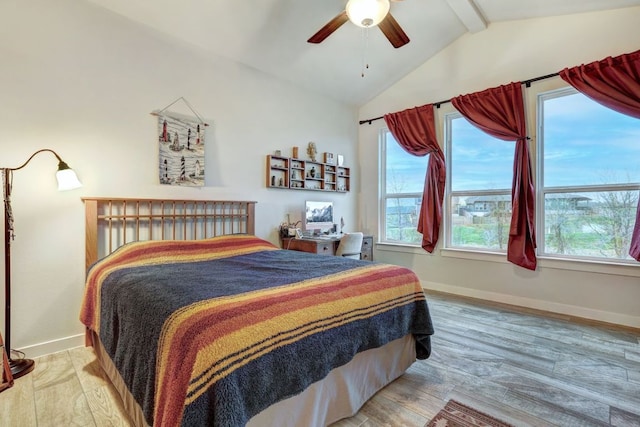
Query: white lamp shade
(67, 180)
(367, 13)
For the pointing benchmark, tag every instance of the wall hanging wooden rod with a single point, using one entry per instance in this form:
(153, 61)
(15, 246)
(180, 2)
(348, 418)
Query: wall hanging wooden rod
(527, 83)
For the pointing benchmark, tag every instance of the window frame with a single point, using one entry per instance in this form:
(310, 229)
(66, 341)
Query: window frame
(542, 191)
(449, 194)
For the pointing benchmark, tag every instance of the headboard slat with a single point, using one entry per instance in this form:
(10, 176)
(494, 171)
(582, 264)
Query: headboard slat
(113, 222)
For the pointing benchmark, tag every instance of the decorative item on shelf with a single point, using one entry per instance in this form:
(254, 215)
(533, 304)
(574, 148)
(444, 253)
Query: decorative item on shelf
(67, 180)
(273, 180)
(312, 151)
(278, 153)
(328, 158)
(281, 182)
(340, 158)
(312, 172)
(295, 152)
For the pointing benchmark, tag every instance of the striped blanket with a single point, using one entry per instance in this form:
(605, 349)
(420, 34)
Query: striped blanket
(211, 332)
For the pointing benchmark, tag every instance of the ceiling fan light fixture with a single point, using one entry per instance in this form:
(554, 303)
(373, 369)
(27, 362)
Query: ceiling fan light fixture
(367, 13)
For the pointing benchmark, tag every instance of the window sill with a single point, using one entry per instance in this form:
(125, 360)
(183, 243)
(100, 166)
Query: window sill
(591, 266)
(601, 267)
(401, 247)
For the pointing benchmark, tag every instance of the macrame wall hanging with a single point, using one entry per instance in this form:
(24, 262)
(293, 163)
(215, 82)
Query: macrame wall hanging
(181, 147)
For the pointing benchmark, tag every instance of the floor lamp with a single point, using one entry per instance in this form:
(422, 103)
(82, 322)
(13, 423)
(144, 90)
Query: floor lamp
(67, 180)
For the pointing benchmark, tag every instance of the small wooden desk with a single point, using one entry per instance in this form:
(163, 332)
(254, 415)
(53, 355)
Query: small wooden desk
(326, 246)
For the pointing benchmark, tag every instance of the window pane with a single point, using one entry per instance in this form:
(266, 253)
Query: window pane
(401, 192)
(588, 144)
(590, 224)
(478, 160)
(481, 222)
(401, 219)
(405, 172)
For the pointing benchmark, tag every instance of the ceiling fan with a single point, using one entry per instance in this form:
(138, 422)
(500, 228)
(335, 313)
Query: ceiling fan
(366, 14)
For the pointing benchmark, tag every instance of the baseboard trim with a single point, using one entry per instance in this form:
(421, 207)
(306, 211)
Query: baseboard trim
(54, 346)
(558, 309)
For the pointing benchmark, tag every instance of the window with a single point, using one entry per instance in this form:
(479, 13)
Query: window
(478, 196)
(588, 178)
(401, 186)
(585, 159)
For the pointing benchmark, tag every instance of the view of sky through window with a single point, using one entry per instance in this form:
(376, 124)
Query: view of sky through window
(575, 130)
(405, 172)
(478, 160)
(579, 134)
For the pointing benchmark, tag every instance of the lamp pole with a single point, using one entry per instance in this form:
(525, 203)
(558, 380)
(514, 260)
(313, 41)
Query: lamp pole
(18, 367)
(66, 180)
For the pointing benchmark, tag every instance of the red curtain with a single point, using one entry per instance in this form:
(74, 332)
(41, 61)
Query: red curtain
(415, 131)
(500, 113)
(614, 83)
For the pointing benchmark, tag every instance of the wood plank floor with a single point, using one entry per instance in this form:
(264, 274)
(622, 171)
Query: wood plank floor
(526, 368)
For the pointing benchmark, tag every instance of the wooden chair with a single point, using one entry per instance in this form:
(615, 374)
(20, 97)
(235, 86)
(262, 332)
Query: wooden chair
(7, 378)
(350, 245)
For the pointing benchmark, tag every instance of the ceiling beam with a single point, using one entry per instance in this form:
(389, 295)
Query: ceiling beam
(469, 14)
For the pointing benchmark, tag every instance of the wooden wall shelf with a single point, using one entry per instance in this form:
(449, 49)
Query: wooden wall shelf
(296, 174)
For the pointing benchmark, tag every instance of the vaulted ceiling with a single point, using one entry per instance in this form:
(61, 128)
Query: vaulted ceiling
(271, 35)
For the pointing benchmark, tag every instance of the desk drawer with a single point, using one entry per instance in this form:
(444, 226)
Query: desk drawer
(366, 253)
(312, 246)
(325, 248)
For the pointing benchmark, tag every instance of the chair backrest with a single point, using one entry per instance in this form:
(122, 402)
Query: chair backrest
(350, 245)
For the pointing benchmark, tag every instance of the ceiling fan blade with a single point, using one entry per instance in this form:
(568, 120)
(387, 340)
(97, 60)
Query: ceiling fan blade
(329, 28)
(392, 30)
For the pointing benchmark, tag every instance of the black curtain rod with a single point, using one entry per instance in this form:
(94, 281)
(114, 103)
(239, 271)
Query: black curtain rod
(527, 83)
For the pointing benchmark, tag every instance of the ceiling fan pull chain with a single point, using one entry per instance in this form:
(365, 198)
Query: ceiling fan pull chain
(365, 44)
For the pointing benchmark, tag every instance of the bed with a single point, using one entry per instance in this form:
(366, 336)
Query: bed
(197, 321)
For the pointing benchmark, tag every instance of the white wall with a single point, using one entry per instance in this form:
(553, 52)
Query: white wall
(83, 81)
(506, 52)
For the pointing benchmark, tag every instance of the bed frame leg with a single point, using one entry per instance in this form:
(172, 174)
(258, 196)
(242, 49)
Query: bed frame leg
(88, 338)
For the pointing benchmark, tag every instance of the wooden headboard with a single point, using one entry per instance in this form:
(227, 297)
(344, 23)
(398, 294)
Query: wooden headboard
(113, 222)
